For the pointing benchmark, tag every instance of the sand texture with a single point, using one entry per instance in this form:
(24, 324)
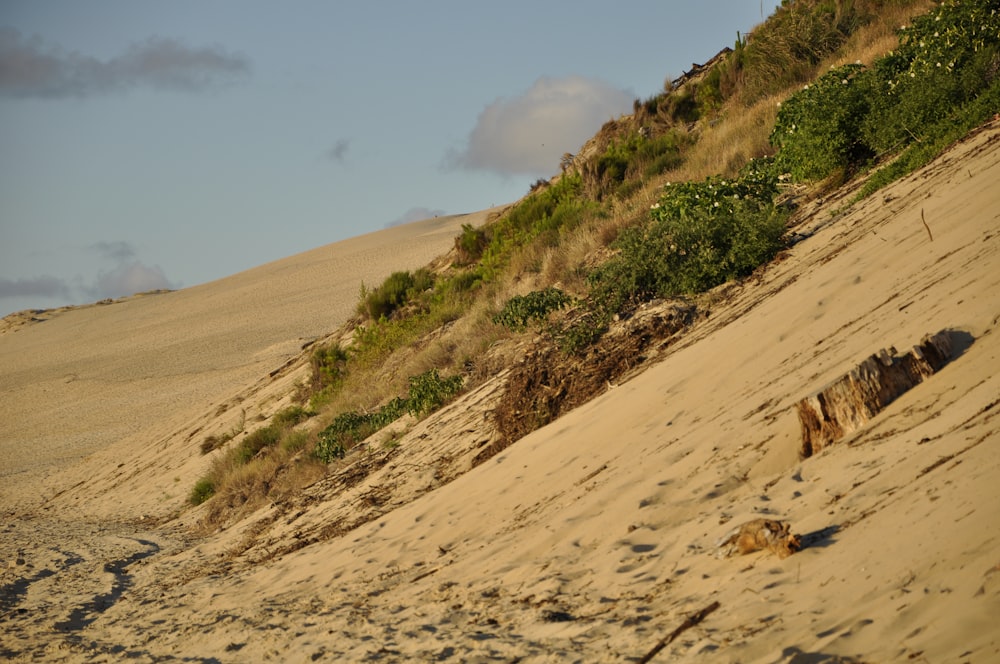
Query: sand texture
(595, 538)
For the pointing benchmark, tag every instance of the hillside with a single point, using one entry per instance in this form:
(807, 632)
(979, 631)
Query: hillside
(567, 503)
(595, 535)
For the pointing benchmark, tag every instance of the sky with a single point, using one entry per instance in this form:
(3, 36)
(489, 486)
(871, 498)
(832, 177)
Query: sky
(148, 145)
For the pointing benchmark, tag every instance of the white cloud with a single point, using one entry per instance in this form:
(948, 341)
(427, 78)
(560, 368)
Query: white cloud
(127, 279)
(528, 134)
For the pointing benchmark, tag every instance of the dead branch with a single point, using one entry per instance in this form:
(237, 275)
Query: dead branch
(690, 622)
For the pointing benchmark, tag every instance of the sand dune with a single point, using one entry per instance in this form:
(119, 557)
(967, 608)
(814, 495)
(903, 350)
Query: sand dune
(133, 371)
(592, 539)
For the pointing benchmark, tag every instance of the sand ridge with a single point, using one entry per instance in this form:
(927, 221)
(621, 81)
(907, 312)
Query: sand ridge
(595, 537)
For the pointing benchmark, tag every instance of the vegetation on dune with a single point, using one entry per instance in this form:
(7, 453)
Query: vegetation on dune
(683, 195)
(939, 83)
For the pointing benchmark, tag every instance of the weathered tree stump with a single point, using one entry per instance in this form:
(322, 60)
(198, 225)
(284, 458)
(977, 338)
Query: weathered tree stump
(849, 402)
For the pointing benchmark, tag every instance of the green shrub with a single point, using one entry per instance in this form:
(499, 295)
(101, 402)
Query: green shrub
(535, 306)
(818, 130)
(290, 416)
(377, 340)
(945, 60)
(202, 491)
(940, 77)
(624, 163)
(554, 209)
(699, 235)
(329, 366)
(350, 428)
(429, 391)
(470, 244)
(255, 442)
(944, 134)
(398, 289)
(344, 432)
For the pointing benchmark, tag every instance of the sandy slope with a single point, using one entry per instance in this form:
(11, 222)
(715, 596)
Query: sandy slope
(594, 538)
(131, 373)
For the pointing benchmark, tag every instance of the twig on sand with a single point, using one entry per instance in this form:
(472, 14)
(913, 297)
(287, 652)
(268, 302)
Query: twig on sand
(690, 622)
(925, 225)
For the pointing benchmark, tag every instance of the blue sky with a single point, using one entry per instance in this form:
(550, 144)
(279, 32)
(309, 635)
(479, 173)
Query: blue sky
(161, 145)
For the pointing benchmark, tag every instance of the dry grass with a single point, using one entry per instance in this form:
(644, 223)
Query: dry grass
(242, 488)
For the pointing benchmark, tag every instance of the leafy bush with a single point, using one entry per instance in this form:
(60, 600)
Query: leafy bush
(429, 391)
(470, 244)
(946, 62)
(945, 59)
(344, 432)
(699, 235)
(290, 416)
(202, 491)
(522, 309)
(329, 366)
(398, 289)
(248, 448)
(935, 140)
(620, 169)
(818, 130)
(376, 341)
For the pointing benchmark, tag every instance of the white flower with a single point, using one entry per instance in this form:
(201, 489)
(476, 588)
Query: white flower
(654, 206)
(844, 81)
(716, 203)
(939, 64)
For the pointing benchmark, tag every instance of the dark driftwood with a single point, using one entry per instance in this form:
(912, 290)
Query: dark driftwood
(691, 621)
(850, 401)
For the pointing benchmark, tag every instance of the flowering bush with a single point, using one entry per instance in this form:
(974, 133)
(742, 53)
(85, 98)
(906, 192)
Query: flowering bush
(946, 60)
(700, 234)
(818, 129)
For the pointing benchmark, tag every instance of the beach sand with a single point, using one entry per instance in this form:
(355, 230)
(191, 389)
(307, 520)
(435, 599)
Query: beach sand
(591, 539)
